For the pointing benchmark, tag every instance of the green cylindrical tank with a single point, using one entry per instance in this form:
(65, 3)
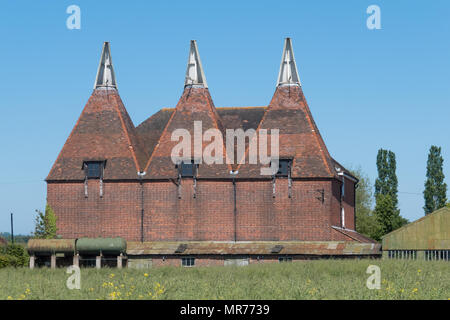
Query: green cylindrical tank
(101, 245)
(50, 246)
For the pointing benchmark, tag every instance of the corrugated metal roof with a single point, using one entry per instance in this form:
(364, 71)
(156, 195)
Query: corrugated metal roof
(431, 232)
(254, 248)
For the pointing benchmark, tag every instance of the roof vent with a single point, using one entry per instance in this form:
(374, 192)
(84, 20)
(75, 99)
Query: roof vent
(181, 248)
(288, 69)
(277, 249)
(194, 73)
(106, 77)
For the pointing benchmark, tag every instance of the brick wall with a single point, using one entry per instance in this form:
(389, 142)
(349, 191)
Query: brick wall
(208, 216)
(116, 214)
(301, 217)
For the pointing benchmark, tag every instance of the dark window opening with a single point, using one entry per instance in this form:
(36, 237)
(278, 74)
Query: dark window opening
(94, 169)
(187, 262)
(284, 167)
(187, 169)
(285, 259)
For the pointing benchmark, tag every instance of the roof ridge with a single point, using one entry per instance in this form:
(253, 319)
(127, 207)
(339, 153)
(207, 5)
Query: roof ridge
(254, 137)
(68, 138)
(127, 134)
(324, 151)
(215, 121)
(162, 134)
(248, 107)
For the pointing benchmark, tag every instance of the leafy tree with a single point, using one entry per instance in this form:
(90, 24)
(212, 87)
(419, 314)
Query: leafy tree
(387, 215)
(45, 224)
(386, 190)
(366, 221)
(435, 188)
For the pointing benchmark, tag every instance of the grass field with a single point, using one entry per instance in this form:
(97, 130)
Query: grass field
(323, 279)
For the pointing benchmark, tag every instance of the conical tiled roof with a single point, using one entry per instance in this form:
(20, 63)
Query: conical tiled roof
(195, 105)
(299, 138)
(103, 132)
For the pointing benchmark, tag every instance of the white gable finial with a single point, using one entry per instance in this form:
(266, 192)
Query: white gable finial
(194, 73)
(105, 75)
(288, 69)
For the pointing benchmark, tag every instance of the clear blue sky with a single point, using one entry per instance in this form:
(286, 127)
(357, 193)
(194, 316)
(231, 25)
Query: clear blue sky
(367, 89)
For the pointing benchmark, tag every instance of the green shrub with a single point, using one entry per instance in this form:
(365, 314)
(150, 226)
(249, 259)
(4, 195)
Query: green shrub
(13, 255)
(4, 261)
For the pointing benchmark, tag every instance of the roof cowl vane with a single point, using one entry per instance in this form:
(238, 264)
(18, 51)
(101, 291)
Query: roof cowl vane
(106, 77)
(288, 69)
(195, 76)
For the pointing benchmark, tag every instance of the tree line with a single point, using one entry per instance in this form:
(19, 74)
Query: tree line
(385, 216)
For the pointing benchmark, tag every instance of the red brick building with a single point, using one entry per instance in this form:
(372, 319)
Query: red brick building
(114, 179)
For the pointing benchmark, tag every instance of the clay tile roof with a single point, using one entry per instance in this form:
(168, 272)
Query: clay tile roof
(195, 104)
(339, 167)
(104, 131)
(299, 137)
(245, 118)
(241, 117)
(355, 235)
(151, 129)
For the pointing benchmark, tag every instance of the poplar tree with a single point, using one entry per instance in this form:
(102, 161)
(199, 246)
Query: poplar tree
(387, 183)
(435, 193)
(386, 194)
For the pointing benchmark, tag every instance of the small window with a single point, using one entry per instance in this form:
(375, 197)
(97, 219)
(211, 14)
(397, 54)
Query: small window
(285, 259)
(94, 169)
(187, 262)
(284, 167)
(187, 169)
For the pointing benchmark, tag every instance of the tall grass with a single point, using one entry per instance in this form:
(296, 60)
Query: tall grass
(322, 279)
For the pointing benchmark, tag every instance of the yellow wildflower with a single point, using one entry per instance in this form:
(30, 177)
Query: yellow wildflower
(145, 274)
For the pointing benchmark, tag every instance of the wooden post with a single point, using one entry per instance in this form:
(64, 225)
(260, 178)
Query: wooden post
(98, 262)
(119, 261)
(53, 261)
(76, 260)
(32, 261)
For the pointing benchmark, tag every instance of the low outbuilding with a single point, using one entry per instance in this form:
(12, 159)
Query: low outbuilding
(427, 238)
